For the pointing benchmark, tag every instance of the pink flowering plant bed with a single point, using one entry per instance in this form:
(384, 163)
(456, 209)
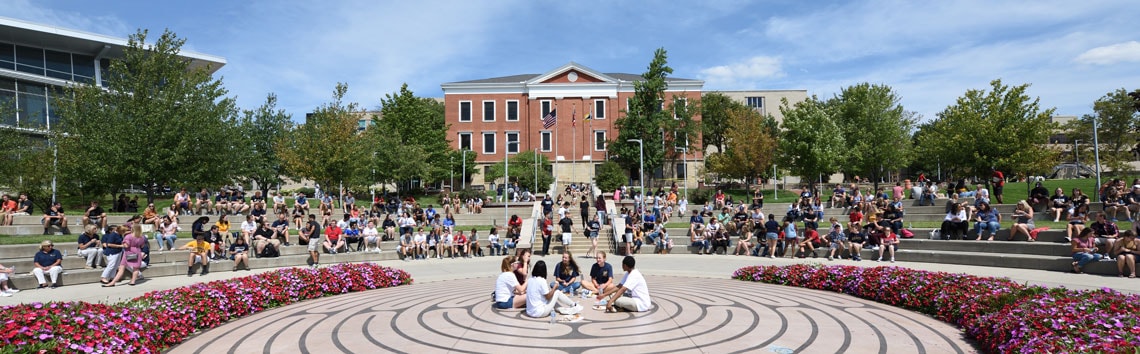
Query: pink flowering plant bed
(161, 319)
(1001, 315)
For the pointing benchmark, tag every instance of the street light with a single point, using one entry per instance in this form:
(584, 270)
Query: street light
(535, 191)
(507, 181)
(1077, 153)
(685, 163)
(641, 157)
(464, 168)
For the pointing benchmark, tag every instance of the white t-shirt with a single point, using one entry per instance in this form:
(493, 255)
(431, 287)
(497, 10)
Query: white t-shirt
(505, 286)
(371, 231)
(536, 290)
(634, 283)
(420, 237)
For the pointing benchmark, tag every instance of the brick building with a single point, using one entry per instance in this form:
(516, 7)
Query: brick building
(504, 115)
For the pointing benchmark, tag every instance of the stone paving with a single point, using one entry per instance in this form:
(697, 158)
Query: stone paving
(698, 309)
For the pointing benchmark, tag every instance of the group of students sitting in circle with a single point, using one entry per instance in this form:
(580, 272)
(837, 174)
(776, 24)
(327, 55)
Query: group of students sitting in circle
(522, 286)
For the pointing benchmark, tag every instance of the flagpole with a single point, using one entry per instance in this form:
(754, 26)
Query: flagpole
(554, 132)
(574, 134)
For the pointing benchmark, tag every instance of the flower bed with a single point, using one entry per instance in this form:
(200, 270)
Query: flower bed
(160, 319)
(1003, 316)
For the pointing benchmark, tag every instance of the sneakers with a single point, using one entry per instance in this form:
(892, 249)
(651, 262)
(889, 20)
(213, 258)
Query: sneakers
(875, 248)
(12, 291)
(573, 310)
(190, 272)
(205, 269)
(879, 260)
(829, 258)
(4, 294)
(892, 259)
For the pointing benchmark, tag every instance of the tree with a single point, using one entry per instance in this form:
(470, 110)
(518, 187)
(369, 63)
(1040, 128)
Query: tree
(750, 146)
(410, 121)
(681, 133)
(811, 143)
(879, 130)
(523, 170)
(159, 121)
(27, 160)
(1000, 128)
(262, 129)
(1118, 123)
(644, 119)
(610, 176)
(326, 148)
(714, 118)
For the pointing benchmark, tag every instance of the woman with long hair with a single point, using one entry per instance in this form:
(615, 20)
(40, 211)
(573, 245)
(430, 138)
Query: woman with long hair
(566, 274)
(541, 298)
(1022, 221)
(507, 287)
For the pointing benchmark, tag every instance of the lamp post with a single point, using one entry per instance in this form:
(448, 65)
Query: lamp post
(1077, 153)
(641, 157)
(507, 182)
(464, 173)
(535, 192)
(685, 163)
(450, 166)
(1096, 153)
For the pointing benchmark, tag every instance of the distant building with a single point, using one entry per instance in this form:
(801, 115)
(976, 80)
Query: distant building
(37, 61)
(767, 101)
(494, 117)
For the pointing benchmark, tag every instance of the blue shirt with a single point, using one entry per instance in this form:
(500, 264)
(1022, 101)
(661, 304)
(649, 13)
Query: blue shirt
(601, 274)
(566, 277)
(47, 259)
(112, 238)
(988, 216)
(790, 231)
(772, 227)
(696, 219)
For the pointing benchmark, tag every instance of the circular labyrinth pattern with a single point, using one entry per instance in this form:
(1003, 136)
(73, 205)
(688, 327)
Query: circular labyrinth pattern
(690, 315)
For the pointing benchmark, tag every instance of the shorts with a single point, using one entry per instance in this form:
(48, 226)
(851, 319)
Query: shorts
(628, 237)
(506, 305)
(313, 244)
(997, 190)
(771, 236)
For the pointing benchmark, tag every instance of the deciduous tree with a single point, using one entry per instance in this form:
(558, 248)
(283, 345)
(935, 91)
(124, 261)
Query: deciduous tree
(750, 146)
(159, 121)
(262, 129)
(714, 118)
(327, 148)
(523, 170)
(876, 128)
(1002, 127)
(811, 143)
(1117, 121)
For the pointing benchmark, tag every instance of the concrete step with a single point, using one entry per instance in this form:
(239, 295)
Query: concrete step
(1047, 236)
(25, 253)
(25, 281)
(1003, 247)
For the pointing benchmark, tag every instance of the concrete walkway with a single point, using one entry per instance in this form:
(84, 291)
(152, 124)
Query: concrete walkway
(683, 265)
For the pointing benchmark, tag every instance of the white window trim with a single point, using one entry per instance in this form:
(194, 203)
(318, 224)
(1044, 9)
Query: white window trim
(540, 144)
(459, 140)
(605, 109)
(548, 103)
(494, 145)
(683, 99)
(507, 111)
(483, 110)
(460, 110)
(604, 136)
(507, 141)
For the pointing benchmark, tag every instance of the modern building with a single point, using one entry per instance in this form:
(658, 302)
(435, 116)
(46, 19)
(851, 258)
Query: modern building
(37, 60)
(511, 112)
(767, 101)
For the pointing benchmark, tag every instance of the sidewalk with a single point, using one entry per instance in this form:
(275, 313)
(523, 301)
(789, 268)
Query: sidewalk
(688, 265)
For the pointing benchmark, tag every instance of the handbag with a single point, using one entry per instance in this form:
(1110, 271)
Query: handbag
(132, 257)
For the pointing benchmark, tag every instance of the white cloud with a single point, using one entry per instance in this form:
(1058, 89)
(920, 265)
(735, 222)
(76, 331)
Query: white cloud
(1111, 54)
(748, 71)
(35, 12)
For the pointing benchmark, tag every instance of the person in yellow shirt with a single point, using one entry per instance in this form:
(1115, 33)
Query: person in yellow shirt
(199, 251)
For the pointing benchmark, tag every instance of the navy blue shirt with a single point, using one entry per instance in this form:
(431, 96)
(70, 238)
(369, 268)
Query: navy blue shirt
(571, 277)
(84, 238)
(47, 259)
(112, 238)
(772, 227)
(696, 219)
(601, 274)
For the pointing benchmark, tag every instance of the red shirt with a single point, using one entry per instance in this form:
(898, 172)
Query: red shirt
(855, 216)
(547, 227)
(10, 205)
(998, 178)
(333, 232)
(812, 235)
(461, 239)
(890, 238)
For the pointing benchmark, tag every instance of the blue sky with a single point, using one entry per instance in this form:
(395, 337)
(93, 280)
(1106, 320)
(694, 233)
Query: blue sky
(930, 52)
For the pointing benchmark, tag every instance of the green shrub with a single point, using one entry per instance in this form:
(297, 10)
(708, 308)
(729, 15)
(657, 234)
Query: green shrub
(610, 176)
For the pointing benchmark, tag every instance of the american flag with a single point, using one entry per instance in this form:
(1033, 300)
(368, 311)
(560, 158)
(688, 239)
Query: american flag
(550, 119)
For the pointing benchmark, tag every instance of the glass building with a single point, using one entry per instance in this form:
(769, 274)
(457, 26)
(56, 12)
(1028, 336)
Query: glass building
(37, 61)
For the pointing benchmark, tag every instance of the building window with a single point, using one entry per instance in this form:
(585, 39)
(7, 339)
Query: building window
(599, 140)
(464, 141)
(7, 56)
(757, 103)
(361, 124)
(512, 111)
(30, 60)
(58, 64)
(679, 105)
(488, 111)
(544, 138)
(32, 103)
(599, 109)
(489, 143)
(681, 170)
(512, 142)
(464, 111)
(545, 108)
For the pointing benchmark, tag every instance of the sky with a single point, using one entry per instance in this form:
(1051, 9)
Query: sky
(929, 52)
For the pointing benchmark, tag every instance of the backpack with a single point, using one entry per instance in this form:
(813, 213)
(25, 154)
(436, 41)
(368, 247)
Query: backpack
(270, 252)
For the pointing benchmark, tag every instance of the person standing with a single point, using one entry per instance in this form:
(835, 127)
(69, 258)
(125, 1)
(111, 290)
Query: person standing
(998, 180)
(566, 223)
(592, 229)
(634, 284)
(547, 229)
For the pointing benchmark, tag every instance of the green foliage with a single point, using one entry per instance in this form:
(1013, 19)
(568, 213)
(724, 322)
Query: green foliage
(811, 143)
(262, 129)
(1118, 122)
(714, 118)
(471, 193)
(326, 149)
(159, 121)
(750, 147)
(27, 161)
(876, 128)
(1000, 128)
(610, 176)
(700, 196)
(411, 126)
(523, 170)
(644, 119)
(682, 133)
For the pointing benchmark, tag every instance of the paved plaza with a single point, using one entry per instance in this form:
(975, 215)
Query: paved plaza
(698, 309)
